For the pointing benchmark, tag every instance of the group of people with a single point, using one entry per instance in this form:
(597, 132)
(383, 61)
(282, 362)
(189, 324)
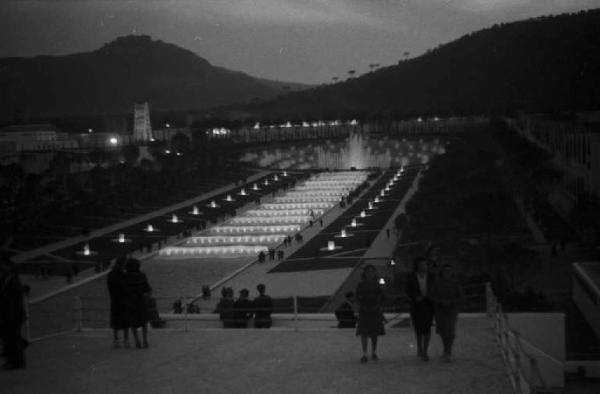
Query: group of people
(430, 296)
(237, 313)
(130, 302)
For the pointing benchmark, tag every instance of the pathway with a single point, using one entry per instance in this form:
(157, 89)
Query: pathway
(260, 361)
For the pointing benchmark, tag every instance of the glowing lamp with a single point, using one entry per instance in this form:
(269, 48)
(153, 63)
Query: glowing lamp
(343, 233)
(174, 219)
(195, 211)
(363, 214)
(330, 245)
(121, 238)
(381, 281)
(353, 223)
(86, 249)
(243, 192)
(150, 228)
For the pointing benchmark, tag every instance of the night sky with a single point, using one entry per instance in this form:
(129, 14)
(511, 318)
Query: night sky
(307, 41)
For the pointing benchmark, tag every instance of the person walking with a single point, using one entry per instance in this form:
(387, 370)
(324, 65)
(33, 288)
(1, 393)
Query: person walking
(12, 314)
(369, 298)
(137, 289)
(446, 294)
(263, 307)
(418, 287)
(115, 281)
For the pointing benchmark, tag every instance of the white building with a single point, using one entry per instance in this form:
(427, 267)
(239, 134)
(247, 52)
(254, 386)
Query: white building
(142, 129)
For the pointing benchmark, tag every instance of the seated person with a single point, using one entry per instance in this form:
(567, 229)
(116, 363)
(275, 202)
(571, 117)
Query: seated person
(242, 309)
(345, 312)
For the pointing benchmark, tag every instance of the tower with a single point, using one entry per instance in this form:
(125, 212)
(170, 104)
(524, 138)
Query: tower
(142, 130)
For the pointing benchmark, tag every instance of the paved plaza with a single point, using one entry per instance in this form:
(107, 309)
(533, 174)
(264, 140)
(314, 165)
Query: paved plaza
(260, 361)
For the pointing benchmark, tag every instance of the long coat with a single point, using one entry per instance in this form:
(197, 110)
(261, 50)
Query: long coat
(12, 306)
(447, 295)
(421, 312)
(117, 292)
(369, 298)
(136, 290)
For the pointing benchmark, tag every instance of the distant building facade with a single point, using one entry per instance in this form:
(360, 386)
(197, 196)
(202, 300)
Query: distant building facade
(142, 128)
(36, 137)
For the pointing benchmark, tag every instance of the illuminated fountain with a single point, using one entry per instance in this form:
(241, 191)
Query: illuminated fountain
(174, 219)
(266, 182)
(370, 206)
(229, 198)
(243, 192)
(344, 234)
(270, 220)
(150, 228)
(235, 239)
(331, 246)
(213, 204)
(86, 251)
(275, 178)
(263, 228)
(195, 211)
(121, 239)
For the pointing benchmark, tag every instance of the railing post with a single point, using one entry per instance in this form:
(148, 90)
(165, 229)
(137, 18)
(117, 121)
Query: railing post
(185, 313)
(490, 299)
(79, 309)
(296, 312)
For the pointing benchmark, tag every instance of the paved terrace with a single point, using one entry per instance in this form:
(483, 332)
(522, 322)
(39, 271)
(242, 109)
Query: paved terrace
(260, 361)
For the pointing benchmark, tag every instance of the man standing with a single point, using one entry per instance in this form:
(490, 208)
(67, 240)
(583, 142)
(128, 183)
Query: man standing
(263, 307)
(12, 314)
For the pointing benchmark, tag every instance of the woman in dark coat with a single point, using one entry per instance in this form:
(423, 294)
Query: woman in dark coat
(418, 287)
(446, 294)
(12, 314)
(118, 310)
(369, 298)
(137, 289)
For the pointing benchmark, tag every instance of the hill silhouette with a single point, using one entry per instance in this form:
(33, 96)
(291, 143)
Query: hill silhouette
(129, 69)
(542, 64)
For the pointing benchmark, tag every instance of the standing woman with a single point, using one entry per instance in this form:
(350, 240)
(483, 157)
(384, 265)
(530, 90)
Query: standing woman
(118, 311)
(369, 298)
(446, 294)
(12, 314)
(418, 288)
(137, 289)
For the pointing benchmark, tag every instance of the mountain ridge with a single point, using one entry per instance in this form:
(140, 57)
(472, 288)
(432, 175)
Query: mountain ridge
(549, 63)
(110, 79)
